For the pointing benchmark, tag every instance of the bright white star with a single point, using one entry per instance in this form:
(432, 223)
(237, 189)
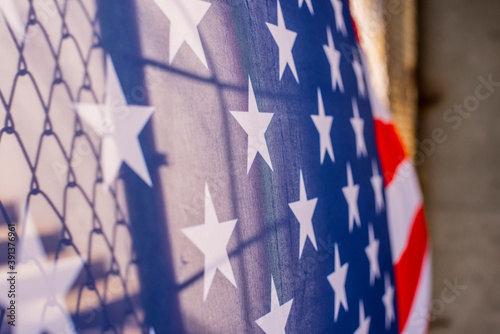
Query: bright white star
(388, 300)
(285, 39)
(358, 125)
(358, 71)
(339, 17)
(377, 185)
(42, 286)
(351, 192)
(184, 17)
(212, 239)
(118, 124)
(337, 281)
(255, 124)
(309, 5)
(275, 321)
(323, 124)
(303, 210)
(333, 57)
(364, 323)
(372, 253)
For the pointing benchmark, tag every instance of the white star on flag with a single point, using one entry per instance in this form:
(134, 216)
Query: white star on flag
(358, 71)
(119, 125)
(309, 5)
(358, 125)
(11, 16)
(337, 281)
(388, 300)
(339, 17)
(372, 253)
(42, 286)
(255, 125)
(351, 192)
(303, 210)
(212, 238)
(334, 59)
(364, 323)
(184, 17)
(285, 39)
(275, 321)
(377, 185)
(323, 124)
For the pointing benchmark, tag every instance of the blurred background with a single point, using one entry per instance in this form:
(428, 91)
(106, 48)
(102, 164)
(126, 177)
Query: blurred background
(459, 44)
(427, 60)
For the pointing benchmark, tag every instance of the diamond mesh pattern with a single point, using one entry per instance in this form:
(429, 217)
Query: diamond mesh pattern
(51, 58)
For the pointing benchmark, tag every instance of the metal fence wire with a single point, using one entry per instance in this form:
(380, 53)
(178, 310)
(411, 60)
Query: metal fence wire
(51, 58)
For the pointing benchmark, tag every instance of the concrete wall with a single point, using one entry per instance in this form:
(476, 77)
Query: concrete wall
(460, 168)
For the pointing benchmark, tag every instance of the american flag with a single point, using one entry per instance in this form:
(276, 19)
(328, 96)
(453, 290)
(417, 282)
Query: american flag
(286, 202)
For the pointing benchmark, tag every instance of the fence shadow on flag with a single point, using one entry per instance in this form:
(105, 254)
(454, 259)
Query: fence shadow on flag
(156, 238)
(146, 210)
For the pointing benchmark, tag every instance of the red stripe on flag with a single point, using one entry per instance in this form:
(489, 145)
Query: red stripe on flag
(353, 22)
(407, 270)
(390, 149)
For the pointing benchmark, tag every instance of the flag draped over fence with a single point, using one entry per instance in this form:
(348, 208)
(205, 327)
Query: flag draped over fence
(284, 201)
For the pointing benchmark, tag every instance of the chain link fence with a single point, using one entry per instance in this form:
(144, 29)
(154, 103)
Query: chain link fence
(51, 58)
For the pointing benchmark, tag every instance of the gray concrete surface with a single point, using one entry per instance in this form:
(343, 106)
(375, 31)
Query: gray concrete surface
(459, 43)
